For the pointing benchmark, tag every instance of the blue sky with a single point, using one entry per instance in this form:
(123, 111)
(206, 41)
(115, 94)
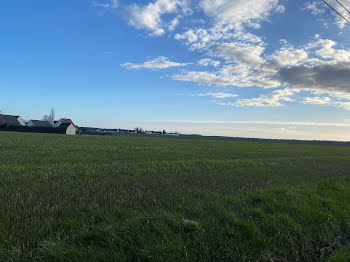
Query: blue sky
(262, 68)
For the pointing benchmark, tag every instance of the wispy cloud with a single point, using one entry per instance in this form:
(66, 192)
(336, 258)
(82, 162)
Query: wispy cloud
(158, 63)
(218, 95)
(317, 100)
(208, 62)
(106, 3)
(319, 8)
(314, 7)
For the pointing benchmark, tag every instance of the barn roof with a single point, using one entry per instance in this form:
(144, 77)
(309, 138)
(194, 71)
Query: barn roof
(41, 123)
(9, 120)
(67, 121)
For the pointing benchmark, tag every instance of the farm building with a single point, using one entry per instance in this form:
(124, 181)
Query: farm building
(63, 121)
(38, 123)
(70, 129)
(9, 120)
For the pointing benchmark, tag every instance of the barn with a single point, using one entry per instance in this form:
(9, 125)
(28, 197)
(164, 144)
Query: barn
(38, 123)
(9, 120)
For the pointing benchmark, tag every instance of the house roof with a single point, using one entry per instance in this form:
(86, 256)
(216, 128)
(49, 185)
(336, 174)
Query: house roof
(9, 120)
(67, 121)
(41, 123)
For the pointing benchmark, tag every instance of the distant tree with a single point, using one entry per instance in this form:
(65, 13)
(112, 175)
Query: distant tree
(50, 118)
(139, 130)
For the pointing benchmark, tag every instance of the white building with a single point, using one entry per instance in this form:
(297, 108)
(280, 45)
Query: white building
(69, 129)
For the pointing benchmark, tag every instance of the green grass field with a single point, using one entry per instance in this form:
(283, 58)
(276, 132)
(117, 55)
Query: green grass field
(148, 198)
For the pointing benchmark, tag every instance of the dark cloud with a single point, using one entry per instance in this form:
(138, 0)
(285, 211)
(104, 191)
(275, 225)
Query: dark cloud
(330, 76)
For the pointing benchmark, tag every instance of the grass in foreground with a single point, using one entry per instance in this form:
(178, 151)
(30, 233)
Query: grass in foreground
(124, 198)
(343, 255)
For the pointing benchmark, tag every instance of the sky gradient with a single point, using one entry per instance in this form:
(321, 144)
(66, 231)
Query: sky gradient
(249, 68)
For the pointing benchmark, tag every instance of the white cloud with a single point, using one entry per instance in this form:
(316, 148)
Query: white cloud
(280, 9)
(317, 100)
(239, 58)
(327, 51)
(288, 56)
(204, 38)
(207, 78)
(239, 52)
(229, 21)
(319, 68)
(219, 95)
(149, 17)
(106, 4)
(157, 63)
(344, 105)
(239, 12)
(318, 8)
(208, 62)
(173, 24)
(273, 99)
(314, 7)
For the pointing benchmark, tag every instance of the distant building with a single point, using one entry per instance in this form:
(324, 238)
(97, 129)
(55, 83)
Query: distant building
(38, 123)
(70, 129)
(66, 124)
(173, 134)
(148, 132)
(61, 121)
(9, 120)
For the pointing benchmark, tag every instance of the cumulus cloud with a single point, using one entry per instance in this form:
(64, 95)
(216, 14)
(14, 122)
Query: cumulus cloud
(239, 52)
(239, 12)
(288, 56)
(149, 17)
(236, 57)
(157, 63)
(203, 38)
(316, 66)
(229, 21)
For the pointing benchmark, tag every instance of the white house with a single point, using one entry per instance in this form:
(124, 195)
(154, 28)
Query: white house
(69, 129)
(9, 120)
(38, 123)
(67, 124)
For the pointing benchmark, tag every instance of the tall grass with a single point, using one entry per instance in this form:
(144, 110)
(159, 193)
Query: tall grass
(125, 198)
